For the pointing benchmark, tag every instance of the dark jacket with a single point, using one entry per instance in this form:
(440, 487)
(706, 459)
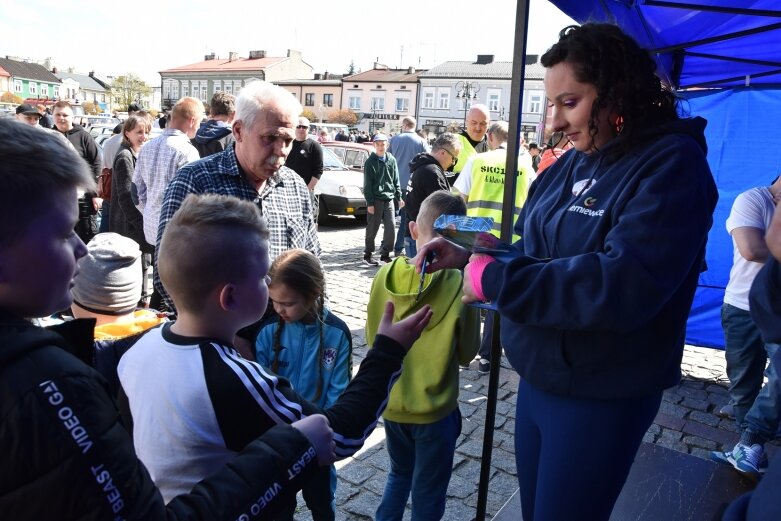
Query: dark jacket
(765, 301)
(426, 177)
(595, 302)
(213, 136)
(124, 218)
(66, 456)
(381, 179)
(85, 146)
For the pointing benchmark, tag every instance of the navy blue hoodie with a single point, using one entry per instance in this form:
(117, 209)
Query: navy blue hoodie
(596, 302)
(213, 136)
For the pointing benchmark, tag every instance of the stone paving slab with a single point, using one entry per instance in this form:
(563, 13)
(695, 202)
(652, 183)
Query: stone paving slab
(686, 421)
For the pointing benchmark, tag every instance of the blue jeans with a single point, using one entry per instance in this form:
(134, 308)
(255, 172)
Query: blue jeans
(421, 458)
(746, 359)
(105, 213)
(398, 246)
(573, 454)
(410, 248)
(765, 413)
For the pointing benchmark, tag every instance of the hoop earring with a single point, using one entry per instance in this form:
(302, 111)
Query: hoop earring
(618, 126)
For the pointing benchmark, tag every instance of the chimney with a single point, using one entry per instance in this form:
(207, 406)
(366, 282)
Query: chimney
(91, 74)
(208, 57)
(485, 59)
(411, 70)
(70, 70)
(325, 75)
(318, 76)
(54, 70)
(47, 63)
(232, 56)
(531, 59)
(254, 55)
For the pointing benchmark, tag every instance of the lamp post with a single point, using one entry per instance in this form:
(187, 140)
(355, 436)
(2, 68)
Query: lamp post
(467, 91)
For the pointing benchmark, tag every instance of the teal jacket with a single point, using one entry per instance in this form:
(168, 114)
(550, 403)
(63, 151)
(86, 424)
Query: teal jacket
(381, 179)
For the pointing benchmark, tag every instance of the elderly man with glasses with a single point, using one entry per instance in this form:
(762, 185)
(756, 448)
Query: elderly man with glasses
(427, 175)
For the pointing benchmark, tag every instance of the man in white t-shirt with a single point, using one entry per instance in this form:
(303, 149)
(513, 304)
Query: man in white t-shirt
(757, 409)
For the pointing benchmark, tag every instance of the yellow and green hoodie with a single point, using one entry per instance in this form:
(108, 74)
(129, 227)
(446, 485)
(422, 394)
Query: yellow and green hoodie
(427, 390)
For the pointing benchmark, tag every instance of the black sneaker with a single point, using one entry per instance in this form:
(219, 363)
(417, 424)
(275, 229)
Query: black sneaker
(385, 258)
(484, 366)
(367, 259)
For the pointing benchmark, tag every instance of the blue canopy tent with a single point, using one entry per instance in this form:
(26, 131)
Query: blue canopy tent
(728, 54)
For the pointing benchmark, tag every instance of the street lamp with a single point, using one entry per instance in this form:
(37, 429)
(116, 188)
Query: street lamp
(467, 90)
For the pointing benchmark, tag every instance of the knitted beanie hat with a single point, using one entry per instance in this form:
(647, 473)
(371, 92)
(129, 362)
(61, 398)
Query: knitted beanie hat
(109, 279)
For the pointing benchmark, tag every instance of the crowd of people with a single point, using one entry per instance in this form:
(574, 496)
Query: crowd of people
(230, 388)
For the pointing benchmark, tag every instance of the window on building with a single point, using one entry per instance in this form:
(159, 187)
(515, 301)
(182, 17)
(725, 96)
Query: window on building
(228, 87)
(103, 98)
(494, 98)
(33, 88)
(236, 86)
(196, 90)
(328, 100)
(204, 90)
(217, 86)
(535, 103)
(402, 104)
(309, 99)
(428, 99)
(43, 90)
(185, 89)
(175, 90)
(378, 102)
(56, 92)
(18, 86)
(444, 100)
(354, 102)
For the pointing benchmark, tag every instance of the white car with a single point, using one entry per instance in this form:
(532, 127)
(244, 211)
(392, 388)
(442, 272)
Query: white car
(340, 190)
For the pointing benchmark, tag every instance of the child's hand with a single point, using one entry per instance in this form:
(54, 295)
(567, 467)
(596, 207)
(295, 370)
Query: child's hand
(406, 331)
(320, 435)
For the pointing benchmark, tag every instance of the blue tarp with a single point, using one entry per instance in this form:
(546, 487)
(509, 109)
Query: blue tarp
(743, 152)
(724, 46)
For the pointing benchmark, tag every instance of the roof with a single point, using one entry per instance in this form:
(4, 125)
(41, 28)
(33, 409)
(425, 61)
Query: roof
(239, 64)
(4, 73)
(493, 70)
(85, 81)
(28, 71)
(386, 75)
(698, 43)
(323, 83)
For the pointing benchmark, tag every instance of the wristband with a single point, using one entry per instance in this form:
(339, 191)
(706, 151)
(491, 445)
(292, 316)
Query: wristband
(476, 267)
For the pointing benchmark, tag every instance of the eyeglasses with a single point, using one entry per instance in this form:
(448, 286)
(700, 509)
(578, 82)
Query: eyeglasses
(454, 157)
(302, 126)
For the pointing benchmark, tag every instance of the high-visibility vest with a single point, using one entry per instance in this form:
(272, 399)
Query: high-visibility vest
(467, 151)
(487, 191)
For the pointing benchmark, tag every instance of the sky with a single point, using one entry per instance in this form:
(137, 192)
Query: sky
(147, 36)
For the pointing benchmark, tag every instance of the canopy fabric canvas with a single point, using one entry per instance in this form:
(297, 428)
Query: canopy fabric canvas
(697, 43)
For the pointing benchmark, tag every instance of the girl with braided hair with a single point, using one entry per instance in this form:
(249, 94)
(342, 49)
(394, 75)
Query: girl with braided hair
(310, 346)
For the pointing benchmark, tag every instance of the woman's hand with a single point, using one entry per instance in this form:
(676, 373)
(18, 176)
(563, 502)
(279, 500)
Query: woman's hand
(406, 331)
(446, 255)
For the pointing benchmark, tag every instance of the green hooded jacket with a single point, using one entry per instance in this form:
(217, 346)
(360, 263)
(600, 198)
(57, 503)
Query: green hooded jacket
(427, 390)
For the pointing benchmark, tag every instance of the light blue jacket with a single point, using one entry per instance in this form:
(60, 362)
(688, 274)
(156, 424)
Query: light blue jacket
(298, 358)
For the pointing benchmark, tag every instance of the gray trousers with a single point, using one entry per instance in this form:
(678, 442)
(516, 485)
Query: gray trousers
(383, 214)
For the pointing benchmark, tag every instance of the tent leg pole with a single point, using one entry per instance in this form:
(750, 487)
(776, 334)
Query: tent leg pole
(490, 417)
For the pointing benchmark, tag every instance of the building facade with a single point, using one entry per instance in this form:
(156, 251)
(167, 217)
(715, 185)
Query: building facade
(448, 90)
(80, 88)
(201, 80)
(321, 95)
(381, 97)
(30, 80)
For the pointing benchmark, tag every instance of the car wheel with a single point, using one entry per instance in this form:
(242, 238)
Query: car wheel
(322, 211)
(362, 218)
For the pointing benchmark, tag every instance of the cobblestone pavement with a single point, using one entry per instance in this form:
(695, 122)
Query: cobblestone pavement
(686, 421)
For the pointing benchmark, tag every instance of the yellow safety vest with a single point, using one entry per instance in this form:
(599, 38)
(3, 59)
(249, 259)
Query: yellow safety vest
(487, 190)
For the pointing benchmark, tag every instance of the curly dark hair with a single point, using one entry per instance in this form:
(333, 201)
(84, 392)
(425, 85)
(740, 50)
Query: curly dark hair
(624, 76)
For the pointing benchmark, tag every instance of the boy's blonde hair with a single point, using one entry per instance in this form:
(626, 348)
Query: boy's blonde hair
(34, 166)
(187, 108)
(439, 203)
(211, 240)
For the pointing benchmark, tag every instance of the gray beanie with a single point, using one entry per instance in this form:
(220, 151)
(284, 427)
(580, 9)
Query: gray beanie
(109, 279)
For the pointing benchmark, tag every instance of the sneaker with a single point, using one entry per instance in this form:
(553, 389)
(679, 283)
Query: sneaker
(749, 461)
(484, 366)
(398, 253)
(385, 258)
(727, 412)
(367, 259)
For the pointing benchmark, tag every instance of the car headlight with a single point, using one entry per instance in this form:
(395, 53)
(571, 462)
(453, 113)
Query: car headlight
(350, 191)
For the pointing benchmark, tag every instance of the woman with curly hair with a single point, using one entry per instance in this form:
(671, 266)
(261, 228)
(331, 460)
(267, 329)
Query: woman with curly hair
(595, 295)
